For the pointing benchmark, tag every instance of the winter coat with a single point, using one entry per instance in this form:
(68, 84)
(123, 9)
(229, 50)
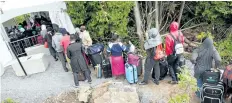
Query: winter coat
(169, 41)
(75, 54)
(203, 57)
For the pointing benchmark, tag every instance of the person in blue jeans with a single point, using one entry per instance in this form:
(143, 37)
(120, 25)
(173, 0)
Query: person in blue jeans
(202, 58)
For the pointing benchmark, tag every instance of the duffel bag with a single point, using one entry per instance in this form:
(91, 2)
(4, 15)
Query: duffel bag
(95, 48)
(211, 76)
(133, 59)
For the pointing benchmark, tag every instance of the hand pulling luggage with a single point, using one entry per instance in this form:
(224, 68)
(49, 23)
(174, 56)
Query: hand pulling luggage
(131, 73)
(211, 76)
(98, 71)
(212, 93)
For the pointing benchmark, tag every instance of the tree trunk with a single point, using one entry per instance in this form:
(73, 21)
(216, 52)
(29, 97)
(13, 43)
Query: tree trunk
(138, 24)
(181, 11)
(157, 15)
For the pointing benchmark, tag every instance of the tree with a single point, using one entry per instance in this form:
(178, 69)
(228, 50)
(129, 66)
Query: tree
(101, 17)
(181, 11)
(138, 24)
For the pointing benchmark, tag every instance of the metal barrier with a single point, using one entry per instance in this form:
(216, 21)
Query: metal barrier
(20, 45)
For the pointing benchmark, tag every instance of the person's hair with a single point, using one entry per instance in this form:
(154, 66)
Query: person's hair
(72, 38)
(49, 29)
(55, 27)
(114, 37)
(68, 33)
(78, 39)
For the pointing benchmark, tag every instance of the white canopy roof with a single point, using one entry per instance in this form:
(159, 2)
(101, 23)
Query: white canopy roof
(16, 8)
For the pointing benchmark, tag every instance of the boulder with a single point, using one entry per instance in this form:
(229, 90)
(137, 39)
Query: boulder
(84, 94)
(115, 92)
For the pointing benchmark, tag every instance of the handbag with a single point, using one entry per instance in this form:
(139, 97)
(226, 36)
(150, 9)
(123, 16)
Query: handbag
(81, 76)
(159, 54)
(46, 45)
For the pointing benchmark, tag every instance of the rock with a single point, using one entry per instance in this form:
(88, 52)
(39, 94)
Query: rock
(115, 92)
(100, 90)
(84, 94)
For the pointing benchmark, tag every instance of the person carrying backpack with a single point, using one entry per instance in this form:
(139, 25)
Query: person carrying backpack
(174, 48)
(150, 47)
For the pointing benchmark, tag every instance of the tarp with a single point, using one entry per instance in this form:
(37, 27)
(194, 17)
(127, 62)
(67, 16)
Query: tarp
(12, 9)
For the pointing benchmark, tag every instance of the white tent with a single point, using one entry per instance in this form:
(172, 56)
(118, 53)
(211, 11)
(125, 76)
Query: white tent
(14, 8)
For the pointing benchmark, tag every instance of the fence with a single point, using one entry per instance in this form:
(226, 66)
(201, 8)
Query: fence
(20, 45)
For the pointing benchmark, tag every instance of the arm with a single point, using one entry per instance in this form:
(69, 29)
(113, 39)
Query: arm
(167, 46)
(194, 56)
(88, 38)
(217, 58)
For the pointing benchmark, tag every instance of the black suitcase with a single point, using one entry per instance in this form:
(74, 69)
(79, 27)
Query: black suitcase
(106, 67)
(163, 70)
(95, 59)
(212, 93)
(211, 76)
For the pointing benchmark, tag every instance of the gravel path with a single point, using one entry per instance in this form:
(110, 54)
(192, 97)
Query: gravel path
(36, 88)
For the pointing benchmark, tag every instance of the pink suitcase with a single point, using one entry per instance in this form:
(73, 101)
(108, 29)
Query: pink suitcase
(133, 59)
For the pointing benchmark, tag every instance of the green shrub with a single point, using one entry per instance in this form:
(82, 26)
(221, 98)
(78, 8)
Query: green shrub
(187, 85)
(224, 48)
(9, 100)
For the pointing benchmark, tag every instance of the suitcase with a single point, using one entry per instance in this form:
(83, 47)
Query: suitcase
(211, 76)
(163, 70)
(133, 59)
(131, 73)
(212, 93)
(98, 71)
(95, 59)
(107, 72)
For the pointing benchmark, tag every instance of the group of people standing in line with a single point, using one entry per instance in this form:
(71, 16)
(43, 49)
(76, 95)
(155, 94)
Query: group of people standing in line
(73, 49)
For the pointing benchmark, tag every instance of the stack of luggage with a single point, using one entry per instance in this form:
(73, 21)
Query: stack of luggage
(133, 68)
(212, 89)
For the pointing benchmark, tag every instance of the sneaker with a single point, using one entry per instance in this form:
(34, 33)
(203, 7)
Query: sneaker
(173, 82)
(142, 83)
(89, 81)
(76, 86)
(156, 81)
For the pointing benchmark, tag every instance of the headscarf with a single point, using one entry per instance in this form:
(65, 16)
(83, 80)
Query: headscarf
(43, 27)
(206, 48)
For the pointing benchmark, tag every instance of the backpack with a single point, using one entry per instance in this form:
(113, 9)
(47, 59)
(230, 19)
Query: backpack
(178, 46)
(159, 54)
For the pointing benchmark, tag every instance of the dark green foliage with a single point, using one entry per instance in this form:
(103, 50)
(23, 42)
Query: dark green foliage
(100, 17)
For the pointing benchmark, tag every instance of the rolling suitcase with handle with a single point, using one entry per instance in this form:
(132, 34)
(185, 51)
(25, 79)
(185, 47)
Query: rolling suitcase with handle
(98, 70)
(131, 73)
(212, 93)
